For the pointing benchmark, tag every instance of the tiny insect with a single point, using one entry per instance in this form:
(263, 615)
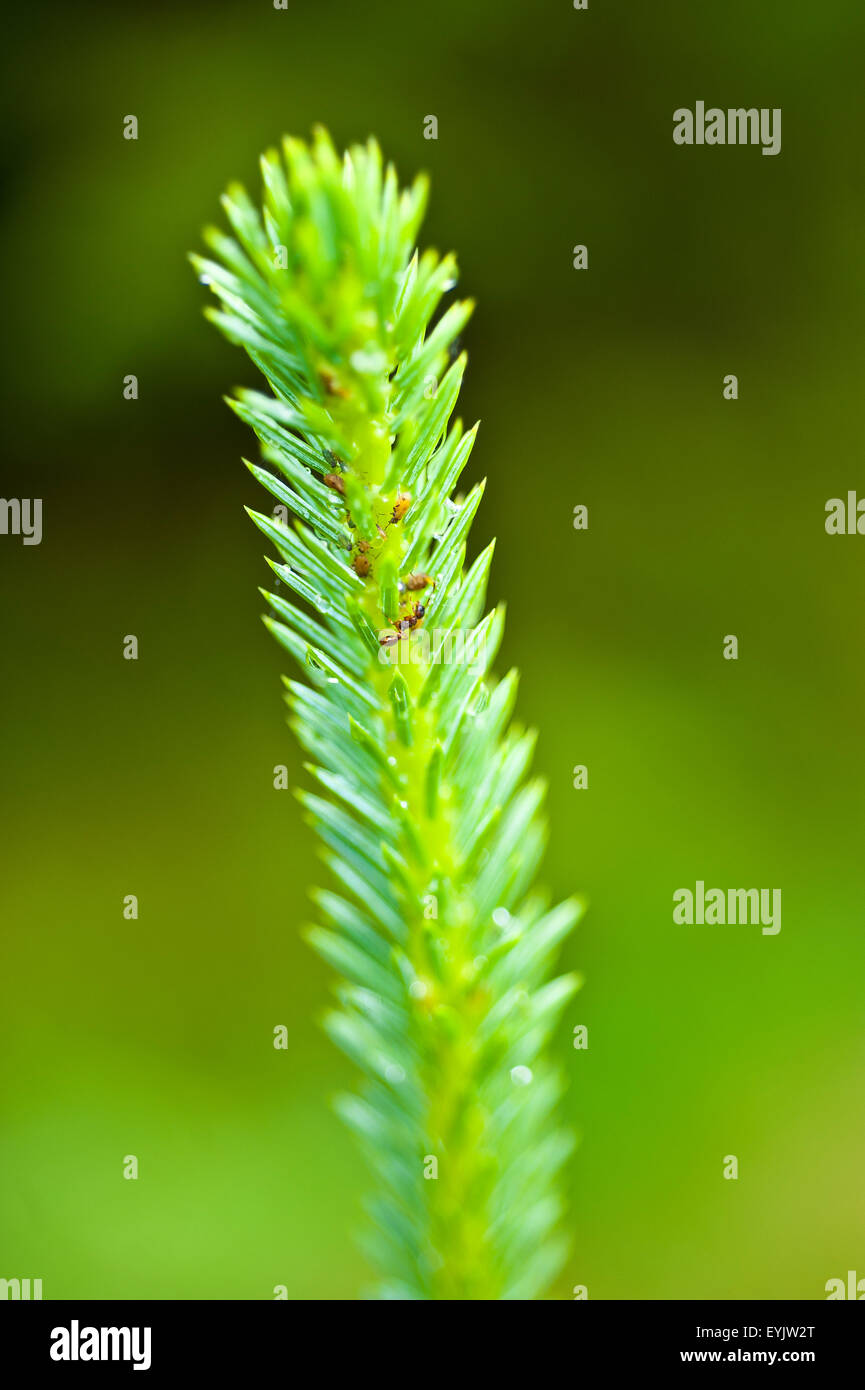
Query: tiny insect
(416, 581)
(412, 619)
(332, 386)
(360, 565)
(401, 506)
(403, 626)
(333, 480)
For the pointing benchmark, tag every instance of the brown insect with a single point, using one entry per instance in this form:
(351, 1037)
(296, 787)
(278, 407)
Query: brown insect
(332, 386)
(401, 506)
(333, 480)
(416, 581)
(360, 565)
(403, 626)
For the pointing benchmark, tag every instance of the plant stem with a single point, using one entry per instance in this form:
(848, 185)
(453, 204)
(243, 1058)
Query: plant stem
(433, 833)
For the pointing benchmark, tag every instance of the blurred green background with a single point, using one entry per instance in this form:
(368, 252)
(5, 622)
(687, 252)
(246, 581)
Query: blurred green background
(601, 387)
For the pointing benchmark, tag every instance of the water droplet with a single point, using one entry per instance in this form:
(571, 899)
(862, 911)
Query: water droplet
(395, 1073)
(501, 917)
(418, 989)
(368, 361)
(391, 760)
(521, 1076)
(204, 279)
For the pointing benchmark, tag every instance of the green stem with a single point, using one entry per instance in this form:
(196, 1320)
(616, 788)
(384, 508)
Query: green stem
(433, 836)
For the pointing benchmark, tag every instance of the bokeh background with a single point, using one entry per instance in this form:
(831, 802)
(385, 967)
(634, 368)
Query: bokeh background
(601, 387)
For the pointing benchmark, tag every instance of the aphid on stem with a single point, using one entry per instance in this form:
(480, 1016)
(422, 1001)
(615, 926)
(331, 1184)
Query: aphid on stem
(416, 581)
(332, 386)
